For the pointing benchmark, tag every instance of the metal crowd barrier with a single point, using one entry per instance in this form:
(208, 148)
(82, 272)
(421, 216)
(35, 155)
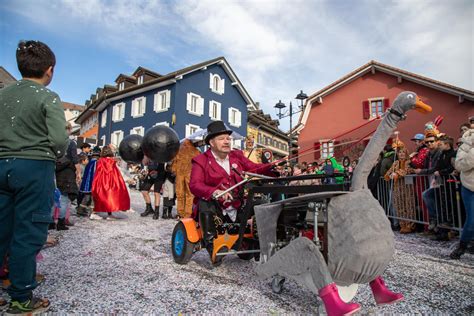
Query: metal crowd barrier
(407, 194)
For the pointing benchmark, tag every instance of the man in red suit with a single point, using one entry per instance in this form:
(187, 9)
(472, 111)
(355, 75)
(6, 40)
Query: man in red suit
(214, 171)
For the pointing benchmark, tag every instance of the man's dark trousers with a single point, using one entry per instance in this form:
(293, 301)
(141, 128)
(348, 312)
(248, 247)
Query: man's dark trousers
(26, 200)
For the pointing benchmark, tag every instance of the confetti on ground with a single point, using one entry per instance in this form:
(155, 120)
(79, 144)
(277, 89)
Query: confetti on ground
(126, 267)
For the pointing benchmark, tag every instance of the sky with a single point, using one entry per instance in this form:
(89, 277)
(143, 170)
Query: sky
(276, 48)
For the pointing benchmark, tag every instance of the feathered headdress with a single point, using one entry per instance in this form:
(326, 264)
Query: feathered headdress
(432, 126)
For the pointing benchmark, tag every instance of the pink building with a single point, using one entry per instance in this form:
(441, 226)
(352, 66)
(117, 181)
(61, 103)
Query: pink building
(364, 94)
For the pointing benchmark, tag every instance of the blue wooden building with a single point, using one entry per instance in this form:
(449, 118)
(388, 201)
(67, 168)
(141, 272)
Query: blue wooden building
(185, 100)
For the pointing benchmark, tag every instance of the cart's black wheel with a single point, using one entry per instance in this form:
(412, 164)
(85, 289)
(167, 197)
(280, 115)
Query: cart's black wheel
(277, 284)
(181, 247)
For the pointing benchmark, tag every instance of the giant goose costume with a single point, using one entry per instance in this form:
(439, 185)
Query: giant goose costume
(360, 240)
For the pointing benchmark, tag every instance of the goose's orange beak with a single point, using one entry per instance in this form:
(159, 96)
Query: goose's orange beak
(422, 107)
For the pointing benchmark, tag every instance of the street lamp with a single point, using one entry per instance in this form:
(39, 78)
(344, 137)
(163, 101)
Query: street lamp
(280, 106)
(301, 96)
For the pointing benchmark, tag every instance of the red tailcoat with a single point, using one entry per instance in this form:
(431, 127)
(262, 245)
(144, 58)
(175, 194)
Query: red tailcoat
(208, 176)
(109, 191)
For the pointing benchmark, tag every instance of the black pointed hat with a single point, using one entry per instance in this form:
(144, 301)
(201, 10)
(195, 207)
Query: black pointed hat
(214, 129)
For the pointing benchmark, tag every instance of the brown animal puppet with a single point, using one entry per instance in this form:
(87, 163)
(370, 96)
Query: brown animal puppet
(182, 169)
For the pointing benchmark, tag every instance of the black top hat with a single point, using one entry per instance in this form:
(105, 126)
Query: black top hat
(214, 129)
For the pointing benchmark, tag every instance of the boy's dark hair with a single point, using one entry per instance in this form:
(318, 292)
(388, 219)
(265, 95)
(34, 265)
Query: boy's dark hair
(85, 145)
(34, 58)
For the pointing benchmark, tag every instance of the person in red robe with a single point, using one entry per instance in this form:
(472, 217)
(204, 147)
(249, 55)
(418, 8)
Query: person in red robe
(109, 191)
(214, 171)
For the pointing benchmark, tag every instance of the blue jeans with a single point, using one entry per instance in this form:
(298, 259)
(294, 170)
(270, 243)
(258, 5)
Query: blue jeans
(468, 200)
(429, 198)
(26, 199)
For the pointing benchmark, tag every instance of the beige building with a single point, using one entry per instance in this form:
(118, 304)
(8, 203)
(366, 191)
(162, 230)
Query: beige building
(264, 135)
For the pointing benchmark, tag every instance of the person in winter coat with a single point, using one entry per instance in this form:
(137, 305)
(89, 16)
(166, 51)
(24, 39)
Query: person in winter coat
(465, 164)
(32, 137)
(84, 208)
(417, 158)
(429, 195)
(402, 192)
(68, 173)
(181, 167)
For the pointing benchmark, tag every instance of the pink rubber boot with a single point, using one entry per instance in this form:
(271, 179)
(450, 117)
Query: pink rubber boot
(382, 294)
(333, 303)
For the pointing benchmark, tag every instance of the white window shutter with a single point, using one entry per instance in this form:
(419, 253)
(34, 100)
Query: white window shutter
(156, 102)
(104, 118)
(238, 118)
(168, 99)
(229, 115)
(187, 133)
(143, 106)
(122, 111)
(188, 102)
(221, 86)
(211, 103)
(134, 106)
(211, 81)
(218, 114)
(200, 109)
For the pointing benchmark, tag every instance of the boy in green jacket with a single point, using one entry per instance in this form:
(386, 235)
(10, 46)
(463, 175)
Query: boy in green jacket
(32, 135)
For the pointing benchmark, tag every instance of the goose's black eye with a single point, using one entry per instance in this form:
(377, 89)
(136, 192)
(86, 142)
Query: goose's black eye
(410, 96)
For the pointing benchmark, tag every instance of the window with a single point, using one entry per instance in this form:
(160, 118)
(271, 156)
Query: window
(191, 129)
(117, 137)
(162, 101)
(376, 107)
(327, 149)
(195, 104)
(121, 86)
(138, 107)
(118, 112)
(140, 79)
(140, 130)
(102, 140)
(162, 123)
(237, 143)
(235, 117)
(214, 110)
(103, 119)
(216, 84)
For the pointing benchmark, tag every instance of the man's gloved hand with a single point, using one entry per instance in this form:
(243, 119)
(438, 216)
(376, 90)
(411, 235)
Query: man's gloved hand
(225, 197)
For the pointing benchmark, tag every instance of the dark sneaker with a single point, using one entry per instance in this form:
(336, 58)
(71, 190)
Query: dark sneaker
(33, 306)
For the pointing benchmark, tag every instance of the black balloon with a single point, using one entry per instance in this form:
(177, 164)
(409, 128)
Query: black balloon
(130, 148)
(160, 144)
